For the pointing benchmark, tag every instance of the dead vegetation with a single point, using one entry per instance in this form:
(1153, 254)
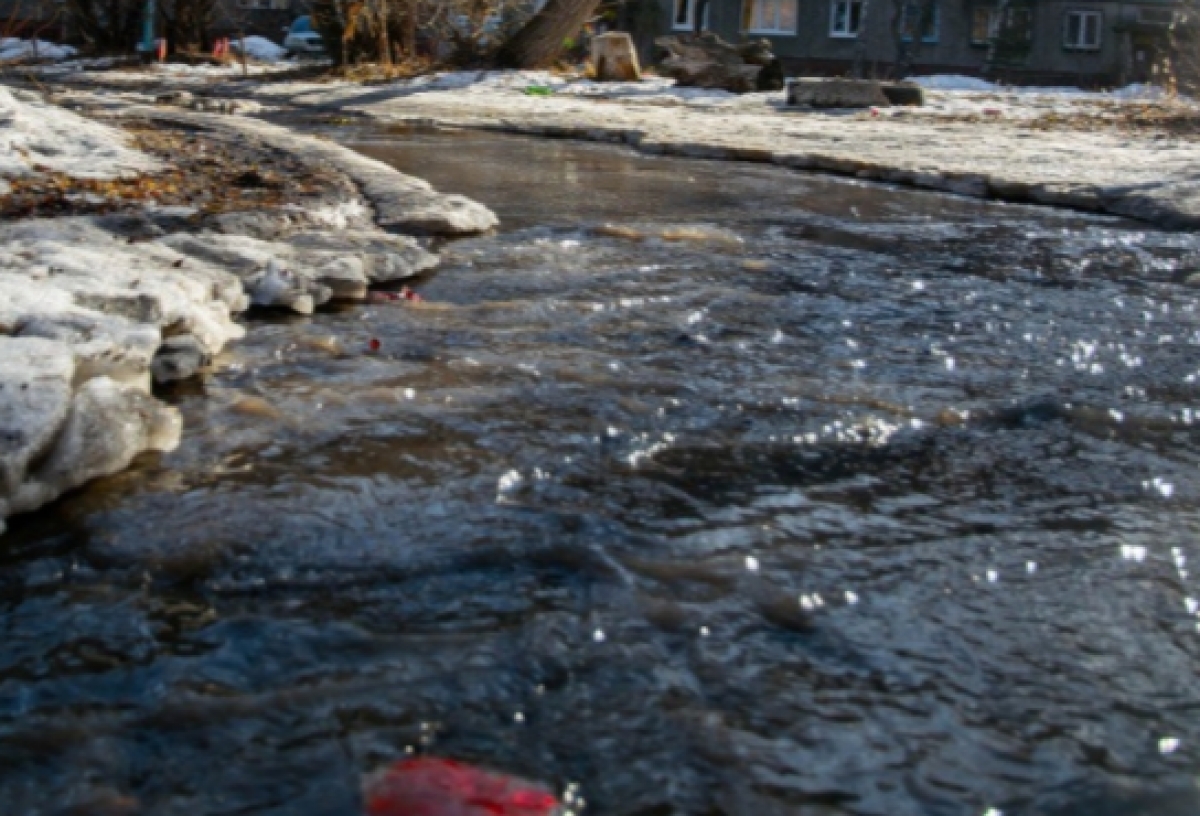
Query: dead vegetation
(203, 172)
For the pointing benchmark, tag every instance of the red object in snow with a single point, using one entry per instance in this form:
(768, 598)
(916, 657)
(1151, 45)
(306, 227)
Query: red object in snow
(409, 294)
(429, 786)
(374, 344)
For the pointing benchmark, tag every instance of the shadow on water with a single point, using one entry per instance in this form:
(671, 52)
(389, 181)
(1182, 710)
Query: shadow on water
(714, 488)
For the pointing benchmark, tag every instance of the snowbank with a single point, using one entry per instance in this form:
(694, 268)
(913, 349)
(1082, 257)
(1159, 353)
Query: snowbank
(34, 134)
(13, 48)
(260, 48)
(955, 82)
(650, 91)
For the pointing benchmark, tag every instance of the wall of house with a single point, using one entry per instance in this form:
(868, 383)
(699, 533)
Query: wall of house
(812, 50)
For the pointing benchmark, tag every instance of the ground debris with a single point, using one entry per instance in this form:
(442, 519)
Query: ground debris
(205, 172)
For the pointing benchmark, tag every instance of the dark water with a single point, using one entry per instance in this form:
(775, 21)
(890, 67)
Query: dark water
(780, 495)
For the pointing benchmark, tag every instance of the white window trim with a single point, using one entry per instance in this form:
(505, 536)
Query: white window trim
(1083, 15)
(843, 35)
(690, 25)
(795, 16)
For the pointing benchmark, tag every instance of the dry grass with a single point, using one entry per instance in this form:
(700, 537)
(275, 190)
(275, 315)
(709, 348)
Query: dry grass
(203, 172)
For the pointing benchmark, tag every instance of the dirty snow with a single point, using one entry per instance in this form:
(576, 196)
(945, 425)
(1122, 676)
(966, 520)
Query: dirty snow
(14, 48)
(35, 135)
(955, 82)
(948, 144)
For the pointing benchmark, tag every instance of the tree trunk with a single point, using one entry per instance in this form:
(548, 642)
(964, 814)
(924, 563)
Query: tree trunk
(382, 47)
(408, 30)
(540, 41)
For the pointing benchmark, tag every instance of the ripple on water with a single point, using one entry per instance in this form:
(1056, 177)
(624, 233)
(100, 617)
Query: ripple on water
(710, 495)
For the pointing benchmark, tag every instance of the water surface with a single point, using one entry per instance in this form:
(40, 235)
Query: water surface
(714, 488)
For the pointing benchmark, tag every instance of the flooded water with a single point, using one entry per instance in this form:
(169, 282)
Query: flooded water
(713, 488)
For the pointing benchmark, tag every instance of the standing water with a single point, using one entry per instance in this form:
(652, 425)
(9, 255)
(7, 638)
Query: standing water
(711, 488)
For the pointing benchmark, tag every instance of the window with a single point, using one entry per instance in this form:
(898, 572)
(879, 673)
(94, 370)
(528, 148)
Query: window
(769, 16)
(920, 16)
(985, 25)
(1082, 30)
(685, 15)
(845, 17)
(1014, 25)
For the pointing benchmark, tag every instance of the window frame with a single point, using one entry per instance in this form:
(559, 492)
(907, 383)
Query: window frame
(1083, 15)
(936, 27)
(748, 14)
(845, 34)
(993, 24)
(690, 24)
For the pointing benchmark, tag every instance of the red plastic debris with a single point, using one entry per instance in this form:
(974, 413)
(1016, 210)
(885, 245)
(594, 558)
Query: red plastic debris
(404, 294)
(373, 344)
(429, 786)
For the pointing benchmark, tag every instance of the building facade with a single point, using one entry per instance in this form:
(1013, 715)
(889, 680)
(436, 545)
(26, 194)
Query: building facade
(1089, 43)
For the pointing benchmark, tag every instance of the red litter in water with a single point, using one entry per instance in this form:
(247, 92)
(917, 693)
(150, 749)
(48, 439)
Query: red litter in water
(429, 786)
(374, 344)
(404, 294)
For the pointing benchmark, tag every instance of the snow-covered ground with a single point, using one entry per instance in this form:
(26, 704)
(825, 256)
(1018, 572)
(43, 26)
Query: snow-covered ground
(950, 95)
(36, 136)
(946, 95)
(13, 49)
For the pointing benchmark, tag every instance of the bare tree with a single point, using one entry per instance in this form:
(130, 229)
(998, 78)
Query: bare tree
(540, 41)
(108, 26)
(1180, 66)
(187, 22)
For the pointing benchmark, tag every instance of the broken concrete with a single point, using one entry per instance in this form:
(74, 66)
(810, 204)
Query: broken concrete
(836, 93)
(614, 58)
(706, 61)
